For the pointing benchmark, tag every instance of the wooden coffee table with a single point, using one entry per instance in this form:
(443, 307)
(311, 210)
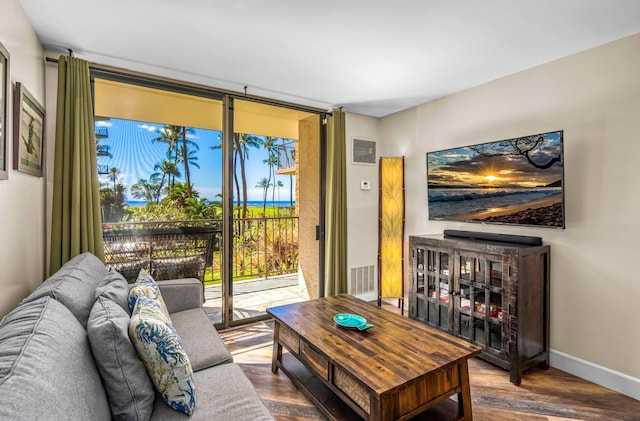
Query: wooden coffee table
(393, 371)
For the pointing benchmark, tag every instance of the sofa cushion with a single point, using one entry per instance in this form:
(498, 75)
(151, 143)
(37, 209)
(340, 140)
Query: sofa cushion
(146, 286)
(74, 285)
(200, 339)
(160, 348)
(182, 294)
(224, 394)
(124, 377)
(114, 287)
(46, 366)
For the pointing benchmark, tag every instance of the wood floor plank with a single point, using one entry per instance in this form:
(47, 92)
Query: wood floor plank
(544, 395)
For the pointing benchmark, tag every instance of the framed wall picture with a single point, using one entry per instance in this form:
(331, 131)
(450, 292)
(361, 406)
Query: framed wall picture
(28, 132)
(4, 107)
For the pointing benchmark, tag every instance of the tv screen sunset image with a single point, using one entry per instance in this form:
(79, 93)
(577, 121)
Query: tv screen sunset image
(513, 181)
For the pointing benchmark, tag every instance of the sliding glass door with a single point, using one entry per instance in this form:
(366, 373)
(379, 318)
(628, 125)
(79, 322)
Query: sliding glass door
(198, 184)
(269, 257)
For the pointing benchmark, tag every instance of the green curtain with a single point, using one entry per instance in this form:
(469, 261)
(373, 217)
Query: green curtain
(76, 225)
(335, 261)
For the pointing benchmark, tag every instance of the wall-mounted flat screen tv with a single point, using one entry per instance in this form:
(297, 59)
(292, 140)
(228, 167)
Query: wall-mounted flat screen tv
(514, 181)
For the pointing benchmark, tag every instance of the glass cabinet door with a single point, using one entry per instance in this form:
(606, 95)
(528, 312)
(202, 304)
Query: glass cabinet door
(417, 307)
(419, 287)
(479, 302)
(469, 272)
(431, 284)
(438, 289)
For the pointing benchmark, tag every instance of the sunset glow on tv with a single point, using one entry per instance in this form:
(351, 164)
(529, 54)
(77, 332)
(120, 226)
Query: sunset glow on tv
(513, 181)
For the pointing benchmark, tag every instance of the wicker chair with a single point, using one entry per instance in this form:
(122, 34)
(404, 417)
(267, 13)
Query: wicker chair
(167, 253)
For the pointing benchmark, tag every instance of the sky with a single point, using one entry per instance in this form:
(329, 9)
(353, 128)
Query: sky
(495, 164)
(135, 153)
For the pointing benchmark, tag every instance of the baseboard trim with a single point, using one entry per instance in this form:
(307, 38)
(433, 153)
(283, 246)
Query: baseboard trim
(602, 376)
(367, 296)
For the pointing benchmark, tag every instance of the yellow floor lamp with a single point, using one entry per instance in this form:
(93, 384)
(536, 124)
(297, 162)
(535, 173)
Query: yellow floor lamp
(391, 230)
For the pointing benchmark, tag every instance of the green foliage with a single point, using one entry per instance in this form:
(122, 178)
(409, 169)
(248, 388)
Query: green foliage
(112, 201)
(162, 211)
(263, 246)
(266, 246)
(147, 190)
(170, 210)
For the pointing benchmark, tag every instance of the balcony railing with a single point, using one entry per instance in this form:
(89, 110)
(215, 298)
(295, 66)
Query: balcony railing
(166, 252)
(262, 247)
(102, 150)
(286, 158)
(101, 132)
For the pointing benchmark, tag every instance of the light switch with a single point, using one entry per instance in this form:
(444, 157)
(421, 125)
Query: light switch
(365, 185)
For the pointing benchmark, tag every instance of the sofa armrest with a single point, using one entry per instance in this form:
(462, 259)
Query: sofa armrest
(181, 294)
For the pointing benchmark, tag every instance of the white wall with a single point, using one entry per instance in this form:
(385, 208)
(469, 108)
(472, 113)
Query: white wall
(22, 196)
(594, 96)
(362, 205)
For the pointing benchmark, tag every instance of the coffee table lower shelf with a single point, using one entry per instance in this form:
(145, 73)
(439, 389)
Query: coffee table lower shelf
(330, 404)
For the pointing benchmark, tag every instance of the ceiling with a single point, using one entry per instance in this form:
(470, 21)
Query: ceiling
(370, 57)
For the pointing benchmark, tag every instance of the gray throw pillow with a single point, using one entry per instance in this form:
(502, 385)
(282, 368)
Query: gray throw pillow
(47, 370)
(74, 285)
(129, 389)
(115, 288)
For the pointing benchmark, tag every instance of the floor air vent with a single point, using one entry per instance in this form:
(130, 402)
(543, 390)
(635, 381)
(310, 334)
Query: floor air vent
(362, 280)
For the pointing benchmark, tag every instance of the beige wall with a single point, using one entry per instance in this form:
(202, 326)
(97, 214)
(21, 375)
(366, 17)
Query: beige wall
(22, 196)
(362, 205)
(594, 96)
(308, 202)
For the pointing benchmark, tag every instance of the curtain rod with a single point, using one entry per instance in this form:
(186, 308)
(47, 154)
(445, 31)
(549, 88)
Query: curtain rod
(205, 88)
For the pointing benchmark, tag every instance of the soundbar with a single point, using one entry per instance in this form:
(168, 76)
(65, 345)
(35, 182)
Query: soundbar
(489, 236)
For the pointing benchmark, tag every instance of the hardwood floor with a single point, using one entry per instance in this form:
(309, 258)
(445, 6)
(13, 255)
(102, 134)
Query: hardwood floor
(550, 395)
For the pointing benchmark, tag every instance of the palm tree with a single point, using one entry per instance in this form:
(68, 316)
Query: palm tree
(119, 194)
(188, 157)
(178, 149)
(178, 195)
(242, 144)
(198, 208)
(235, 174)
(114, 174)
(147, 190)
(264, 184)
(165, 168)
(279, 184)
(269, 144)
(291, 192)
(112, 202)
(169, 135)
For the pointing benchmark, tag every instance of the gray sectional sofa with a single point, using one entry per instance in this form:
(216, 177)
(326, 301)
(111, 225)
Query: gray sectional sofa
(48, 369)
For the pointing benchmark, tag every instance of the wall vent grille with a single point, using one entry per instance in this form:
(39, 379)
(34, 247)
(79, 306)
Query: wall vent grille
(364, 152)
(362, 280)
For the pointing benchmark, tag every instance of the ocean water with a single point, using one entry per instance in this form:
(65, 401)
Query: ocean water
(250, 203)
(448, 203)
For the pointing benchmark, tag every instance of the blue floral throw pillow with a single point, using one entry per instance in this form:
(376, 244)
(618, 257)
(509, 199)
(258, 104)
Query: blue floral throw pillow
(146, 286)
(160, 349)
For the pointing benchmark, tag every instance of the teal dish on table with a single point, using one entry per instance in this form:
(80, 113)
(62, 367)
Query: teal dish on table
(351, 321)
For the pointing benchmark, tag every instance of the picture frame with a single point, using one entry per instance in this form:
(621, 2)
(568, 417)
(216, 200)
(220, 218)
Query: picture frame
(28, 132)
(4, 109)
